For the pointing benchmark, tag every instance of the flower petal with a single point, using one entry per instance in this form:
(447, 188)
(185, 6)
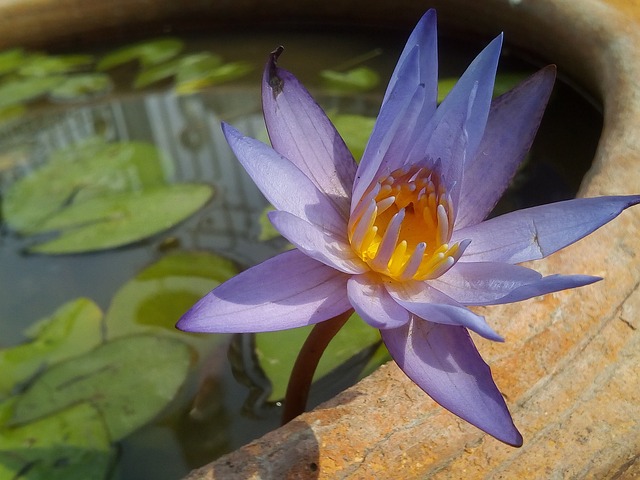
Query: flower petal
(283, 184)
(397, 116)
(482, 283)
(287, 291)
(536, 232)
(430, 304)
(455, 131)
(301, 132)
(424, 36)
(512, 124)
(371, 301)
(443, 361)
(330, 249)
(549, 284)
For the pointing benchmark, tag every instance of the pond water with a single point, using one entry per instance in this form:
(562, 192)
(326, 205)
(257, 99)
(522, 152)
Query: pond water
(220, 397)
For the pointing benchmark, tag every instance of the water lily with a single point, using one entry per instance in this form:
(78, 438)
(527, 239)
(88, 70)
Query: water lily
(401, 237)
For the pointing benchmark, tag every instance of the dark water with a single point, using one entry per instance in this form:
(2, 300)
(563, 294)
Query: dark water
(187, 129)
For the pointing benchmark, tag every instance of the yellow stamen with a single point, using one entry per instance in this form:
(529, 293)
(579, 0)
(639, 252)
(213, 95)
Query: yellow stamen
(402, 226)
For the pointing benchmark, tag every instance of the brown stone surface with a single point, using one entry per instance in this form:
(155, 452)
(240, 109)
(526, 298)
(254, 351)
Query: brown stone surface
(569, 366)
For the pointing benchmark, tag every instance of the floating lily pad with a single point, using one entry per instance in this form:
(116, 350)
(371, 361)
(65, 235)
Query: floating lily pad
(360, 79)
(277, 362)
(148, 53)
(73, 443)
(11, 112)
(129, 380)
(11, 59)
(158, 296)
(267, 230)
(189, 66)
(115, 220)
(90, 169)
(79, 88)
(40, 65)
(355, 130)
(15, 92)
(73, 329)
(199, 75)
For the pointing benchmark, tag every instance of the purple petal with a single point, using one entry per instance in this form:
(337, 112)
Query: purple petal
(536, 232)
(371, 301)
(409, 102)
(287, 291)
(483, 283)
(443, 361)
(455, 131)
(549, 284)
(397, 115)
(283, 184)
(301, 132)
(512, 124)
(430, 304)
(330, 249)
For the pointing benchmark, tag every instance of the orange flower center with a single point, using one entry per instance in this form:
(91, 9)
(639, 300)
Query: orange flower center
(402, 224)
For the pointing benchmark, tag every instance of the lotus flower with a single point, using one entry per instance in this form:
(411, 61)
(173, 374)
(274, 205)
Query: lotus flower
(401, 237)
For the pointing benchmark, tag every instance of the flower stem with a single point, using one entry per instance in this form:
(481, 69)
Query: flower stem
(295, 400)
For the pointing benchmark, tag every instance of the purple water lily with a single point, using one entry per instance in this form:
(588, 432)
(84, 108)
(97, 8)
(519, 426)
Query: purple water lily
(400, 237)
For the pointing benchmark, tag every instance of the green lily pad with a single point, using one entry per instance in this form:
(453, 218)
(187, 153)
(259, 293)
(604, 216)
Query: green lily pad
(73, 443)
(15, 92)
(79, 88)
(195, 65)
(277, 362)
(129, 380)
(199, 75)
(90, 169)
(148, 53)
(40, 65)
(360, 79)
(115, 220)
(267, 230)
(157, 297)
(73, 329)
(355, 130)
(11, 59)
(11, 112)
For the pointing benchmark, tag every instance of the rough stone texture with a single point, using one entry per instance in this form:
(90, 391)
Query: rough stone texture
(569, 367)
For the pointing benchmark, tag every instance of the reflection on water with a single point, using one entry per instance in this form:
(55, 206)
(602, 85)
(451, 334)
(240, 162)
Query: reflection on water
(206, 418)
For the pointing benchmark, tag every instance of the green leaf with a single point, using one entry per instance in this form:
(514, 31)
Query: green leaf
(78, 88)
(73, 329)
(158, 296)
(277, 362)
(15, 92)
(40, 65)
(80, 172)
(196, 65)
(148, 53)
(11, 112)
(11, 59)
(199, 76)
(359, 79)
(70, 444)
(129, 380)
(355, 130)
(115, 220)
(267, 230)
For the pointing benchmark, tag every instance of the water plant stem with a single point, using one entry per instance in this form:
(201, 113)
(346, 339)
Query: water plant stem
(295, 400)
